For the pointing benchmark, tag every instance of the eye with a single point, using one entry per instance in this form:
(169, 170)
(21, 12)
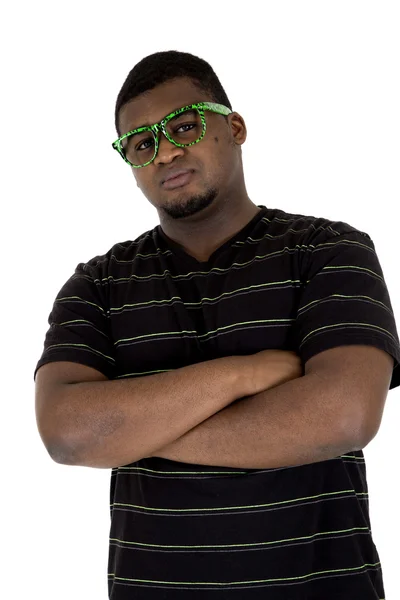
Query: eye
(186, 125)
(144, 142)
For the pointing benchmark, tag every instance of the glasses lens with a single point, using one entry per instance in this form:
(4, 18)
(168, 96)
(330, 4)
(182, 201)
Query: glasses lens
(139, 147)
(184, 128)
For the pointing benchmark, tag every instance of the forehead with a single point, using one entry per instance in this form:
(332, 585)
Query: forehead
(153, 105)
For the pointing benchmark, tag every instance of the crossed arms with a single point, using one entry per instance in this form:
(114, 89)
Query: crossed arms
(336, 407)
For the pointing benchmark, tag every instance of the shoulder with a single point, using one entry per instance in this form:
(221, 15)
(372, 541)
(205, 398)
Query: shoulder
(313, 228)
(121, 253)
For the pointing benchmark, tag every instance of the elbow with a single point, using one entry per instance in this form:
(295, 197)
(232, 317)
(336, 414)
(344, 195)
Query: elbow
(58, 450)
(355, 434)
(61, 447)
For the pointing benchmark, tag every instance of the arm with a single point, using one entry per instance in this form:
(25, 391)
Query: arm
(336, 407)
(92, 423)
(105, 424)
(276, 428)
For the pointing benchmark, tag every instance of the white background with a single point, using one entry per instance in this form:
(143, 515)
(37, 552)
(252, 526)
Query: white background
(317, 84)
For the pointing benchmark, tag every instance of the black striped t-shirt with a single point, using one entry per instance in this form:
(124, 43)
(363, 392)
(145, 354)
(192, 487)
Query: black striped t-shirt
(178, 530)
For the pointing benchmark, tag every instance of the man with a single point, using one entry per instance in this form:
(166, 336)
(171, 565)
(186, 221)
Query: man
(174, 360)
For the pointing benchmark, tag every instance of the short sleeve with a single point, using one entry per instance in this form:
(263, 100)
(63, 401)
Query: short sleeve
(79, 324)
(345, 299)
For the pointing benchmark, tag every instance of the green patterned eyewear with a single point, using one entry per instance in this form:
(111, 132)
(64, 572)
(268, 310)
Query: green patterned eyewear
(183, 127)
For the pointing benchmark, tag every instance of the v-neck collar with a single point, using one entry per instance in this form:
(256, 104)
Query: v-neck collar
(240, 236)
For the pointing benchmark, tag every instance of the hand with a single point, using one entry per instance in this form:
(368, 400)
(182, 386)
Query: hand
(270, 368)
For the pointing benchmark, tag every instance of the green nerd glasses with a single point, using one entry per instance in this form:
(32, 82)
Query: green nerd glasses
(183, 127)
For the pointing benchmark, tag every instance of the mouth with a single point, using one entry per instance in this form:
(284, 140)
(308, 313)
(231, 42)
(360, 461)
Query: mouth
(178, 181)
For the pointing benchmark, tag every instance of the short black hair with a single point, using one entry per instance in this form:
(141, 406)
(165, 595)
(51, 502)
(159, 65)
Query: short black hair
(162, 66)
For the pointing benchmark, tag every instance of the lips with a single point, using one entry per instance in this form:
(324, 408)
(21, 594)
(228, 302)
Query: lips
(175, 173)
(179, 181)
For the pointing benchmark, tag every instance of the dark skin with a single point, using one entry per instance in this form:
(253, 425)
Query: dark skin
(202, 215)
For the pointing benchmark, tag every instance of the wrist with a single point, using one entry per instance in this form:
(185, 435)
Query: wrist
(241, 373)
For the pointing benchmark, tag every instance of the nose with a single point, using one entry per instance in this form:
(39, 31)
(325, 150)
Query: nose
(167, 151)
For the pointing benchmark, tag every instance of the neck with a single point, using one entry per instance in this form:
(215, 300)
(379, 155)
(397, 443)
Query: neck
(203, 233)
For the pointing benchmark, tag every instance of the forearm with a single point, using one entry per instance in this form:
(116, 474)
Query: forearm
(105, 424)
(292, 424)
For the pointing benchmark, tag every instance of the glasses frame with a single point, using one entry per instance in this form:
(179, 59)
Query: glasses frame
(160, 127)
